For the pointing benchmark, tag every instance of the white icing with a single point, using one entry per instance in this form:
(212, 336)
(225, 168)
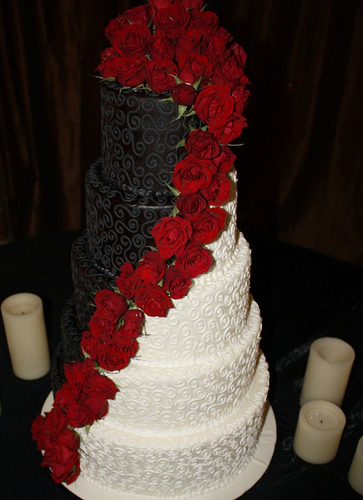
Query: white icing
(172, 466)
(155, 398)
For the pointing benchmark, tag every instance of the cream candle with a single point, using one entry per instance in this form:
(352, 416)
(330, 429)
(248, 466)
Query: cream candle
(328, 369)
(355, 474)
(319, 431)
(26, 335)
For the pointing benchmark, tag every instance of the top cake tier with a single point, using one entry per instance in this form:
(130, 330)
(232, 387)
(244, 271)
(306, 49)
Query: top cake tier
(140, 135)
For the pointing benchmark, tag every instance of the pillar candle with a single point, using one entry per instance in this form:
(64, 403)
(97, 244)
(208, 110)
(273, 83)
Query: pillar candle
(355, 475)
(319, 431)
(26, 335)
(328, 370)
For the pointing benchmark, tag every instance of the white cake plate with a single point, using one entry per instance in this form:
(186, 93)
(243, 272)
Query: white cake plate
(87, 490)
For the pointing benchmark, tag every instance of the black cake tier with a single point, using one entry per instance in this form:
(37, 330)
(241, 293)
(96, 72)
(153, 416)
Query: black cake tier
(140, 137)
(126, 195)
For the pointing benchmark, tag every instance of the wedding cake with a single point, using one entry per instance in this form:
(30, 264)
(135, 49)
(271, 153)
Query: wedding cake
(160, 387)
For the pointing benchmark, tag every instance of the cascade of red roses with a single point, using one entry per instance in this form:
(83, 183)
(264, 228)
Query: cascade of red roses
(174, 47)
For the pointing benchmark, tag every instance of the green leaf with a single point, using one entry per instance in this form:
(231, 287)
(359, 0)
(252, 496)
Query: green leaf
(181, 144)
(174, 212)
(173, 190)
(197, 83)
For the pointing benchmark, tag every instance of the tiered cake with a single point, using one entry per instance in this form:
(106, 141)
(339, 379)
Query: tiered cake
(126, 194)
(184, 416)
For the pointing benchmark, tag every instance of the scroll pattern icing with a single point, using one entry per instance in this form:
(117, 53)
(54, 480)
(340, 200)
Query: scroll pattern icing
(208, 319)
(180, 398)
(179, 466)
(119, 223)
(140, 135)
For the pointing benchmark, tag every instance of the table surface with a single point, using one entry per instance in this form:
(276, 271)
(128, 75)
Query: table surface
(302, 295)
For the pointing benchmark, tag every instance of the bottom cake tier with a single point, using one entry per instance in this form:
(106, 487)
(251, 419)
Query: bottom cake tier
(179, 465)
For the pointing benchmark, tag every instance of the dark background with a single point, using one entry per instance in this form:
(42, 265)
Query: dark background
(300, 171)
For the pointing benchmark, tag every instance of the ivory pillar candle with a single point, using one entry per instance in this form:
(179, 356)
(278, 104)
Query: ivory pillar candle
(328, 370)
(355, 475)
(319, 431)
(26, 335)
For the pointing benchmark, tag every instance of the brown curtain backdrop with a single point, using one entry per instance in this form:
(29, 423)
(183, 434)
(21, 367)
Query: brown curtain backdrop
(300, 170)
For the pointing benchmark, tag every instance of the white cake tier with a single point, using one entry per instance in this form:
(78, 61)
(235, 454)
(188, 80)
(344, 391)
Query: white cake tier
(177, 465)
(180, 398)
(208, 319)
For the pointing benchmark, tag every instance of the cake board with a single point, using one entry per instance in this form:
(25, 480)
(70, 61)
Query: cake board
(87, 490)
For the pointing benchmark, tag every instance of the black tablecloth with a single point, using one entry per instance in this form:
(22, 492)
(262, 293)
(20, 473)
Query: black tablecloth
(302, 295)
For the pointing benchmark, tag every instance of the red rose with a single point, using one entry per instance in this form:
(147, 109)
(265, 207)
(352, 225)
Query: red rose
(206, 22)
(230, 130)
(195, 260)
(101, 327)
(105, 54)
(131, 71)
(110, 305)
(116, 354)
(171, 235)
(208, 225)
(138, 15)
(45, 429)
(238, 52)
(202, 144)
(172, 20)
(114, 26)
(188, 42)
(218, 191)
(65, 396)
(153, 300)
(175, 283)
(77, 373)
(37, 431)
(193, 4)
(79, 415)
(241, 95)
(224, 162)
(160, 4)
(214, 105)
(89, 344)
(96, 393)
(190, 205)
(152, 267)
(110, 65)
(133, 322)
(127, 280)
(159, 75)
(227, 72)
(215, 45)
(192, 174)
(161, 47)
(132, 40)
(194, 67)
(184, 94)
(84, 395)
(62, 457)
(88, 402)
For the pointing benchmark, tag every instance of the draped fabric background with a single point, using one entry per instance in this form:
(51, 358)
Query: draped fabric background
(300, 170)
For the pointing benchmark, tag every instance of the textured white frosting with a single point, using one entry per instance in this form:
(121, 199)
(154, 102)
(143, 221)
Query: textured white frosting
(191, 404)
(172, 399)
(178, 465)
